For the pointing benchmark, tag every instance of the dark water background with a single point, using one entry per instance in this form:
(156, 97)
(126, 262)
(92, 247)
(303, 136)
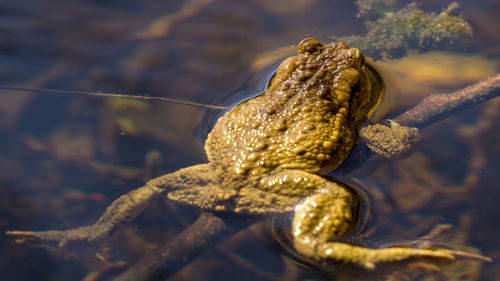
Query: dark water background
(63, 159)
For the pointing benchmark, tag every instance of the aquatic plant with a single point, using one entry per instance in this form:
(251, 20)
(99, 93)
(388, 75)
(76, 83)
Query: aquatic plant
(391, 32)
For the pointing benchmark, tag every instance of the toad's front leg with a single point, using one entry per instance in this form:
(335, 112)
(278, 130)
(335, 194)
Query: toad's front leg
(328, 215)
(389, 139)
(120, 212)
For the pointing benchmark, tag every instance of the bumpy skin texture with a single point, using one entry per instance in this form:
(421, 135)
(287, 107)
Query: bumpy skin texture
(262, 150)
(391, 140)
(307, 119)
(267, 155)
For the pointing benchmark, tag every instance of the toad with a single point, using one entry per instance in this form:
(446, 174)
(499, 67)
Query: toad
(270, 154)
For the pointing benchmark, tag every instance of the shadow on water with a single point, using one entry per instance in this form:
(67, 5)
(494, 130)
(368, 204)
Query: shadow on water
(63, 159)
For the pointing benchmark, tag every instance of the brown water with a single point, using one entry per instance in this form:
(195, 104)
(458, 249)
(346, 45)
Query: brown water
(63, 159)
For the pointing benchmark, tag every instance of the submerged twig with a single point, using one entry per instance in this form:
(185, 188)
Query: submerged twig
(167, 259)
(209, 229)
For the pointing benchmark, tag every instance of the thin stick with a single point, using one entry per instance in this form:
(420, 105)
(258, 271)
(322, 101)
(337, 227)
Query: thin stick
(113, 95)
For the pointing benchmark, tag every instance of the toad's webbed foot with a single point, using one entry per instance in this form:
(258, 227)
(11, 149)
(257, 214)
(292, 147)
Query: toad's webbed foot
(389, 140)
(82, 237)
(326, 216)
(370, 258)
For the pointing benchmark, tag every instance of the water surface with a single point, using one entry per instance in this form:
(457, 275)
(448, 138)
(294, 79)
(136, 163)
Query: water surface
(63, 159)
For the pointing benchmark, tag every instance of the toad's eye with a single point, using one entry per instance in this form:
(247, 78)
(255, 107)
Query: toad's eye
(271, 80)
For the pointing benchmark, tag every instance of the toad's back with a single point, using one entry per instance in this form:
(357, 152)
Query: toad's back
(307, 119)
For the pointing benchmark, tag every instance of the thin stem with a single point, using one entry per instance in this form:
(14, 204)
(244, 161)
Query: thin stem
(114, 95)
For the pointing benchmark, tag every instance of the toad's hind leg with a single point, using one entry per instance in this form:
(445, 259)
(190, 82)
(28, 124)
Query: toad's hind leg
(120, 212)
(327, 215)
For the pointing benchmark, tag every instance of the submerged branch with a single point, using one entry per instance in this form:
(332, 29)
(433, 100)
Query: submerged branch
(167, 259)
(209, 229)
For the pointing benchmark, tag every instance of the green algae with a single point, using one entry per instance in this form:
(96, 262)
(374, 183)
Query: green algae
(391, 33)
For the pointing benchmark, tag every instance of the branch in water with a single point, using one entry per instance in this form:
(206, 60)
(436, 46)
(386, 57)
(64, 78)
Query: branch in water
(440, 106)
(432, 109)
(209, 229)
(167, 259)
